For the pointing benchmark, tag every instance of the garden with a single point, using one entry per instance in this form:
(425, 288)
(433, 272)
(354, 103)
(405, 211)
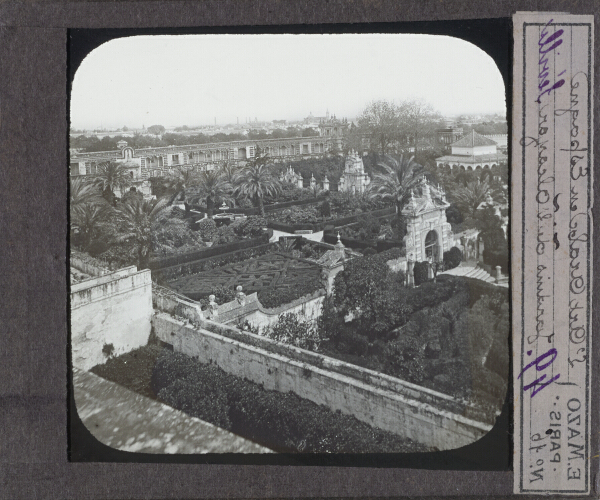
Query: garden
(278, 278)
(282, 422)
(450, 335)
(334, 206)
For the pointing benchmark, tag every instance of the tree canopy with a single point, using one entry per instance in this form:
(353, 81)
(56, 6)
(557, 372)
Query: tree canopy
(399, 177)
(381, 121)
(256, 180)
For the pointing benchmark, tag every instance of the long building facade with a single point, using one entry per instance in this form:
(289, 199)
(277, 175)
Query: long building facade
(155, 162)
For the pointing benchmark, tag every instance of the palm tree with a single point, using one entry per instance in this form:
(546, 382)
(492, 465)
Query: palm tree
(90, 219)
(256, 181)
(134, 225)
(111, 176)
(468, 198)
(180, 179)
(229, 172)
(212, 185)
(397, 180)
(83, 191)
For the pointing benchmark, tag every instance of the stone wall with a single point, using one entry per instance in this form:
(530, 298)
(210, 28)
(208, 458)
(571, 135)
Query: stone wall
(235, 312)
(165, 300)
(112, 309)
(87, 264)
(306, 308)
(418, 413)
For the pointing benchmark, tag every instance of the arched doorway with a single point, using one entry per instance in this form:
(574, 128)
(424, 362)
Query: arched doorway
(432, 248)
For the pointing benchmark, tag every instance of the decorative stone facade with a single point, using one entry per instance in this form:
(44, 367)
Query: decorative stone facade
(428, 233)
(354, 179)
(292, 177)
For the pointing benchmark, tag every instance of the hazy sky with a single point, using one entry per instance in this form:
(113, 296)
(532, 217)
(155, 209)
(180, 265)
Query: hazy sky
(193, 79)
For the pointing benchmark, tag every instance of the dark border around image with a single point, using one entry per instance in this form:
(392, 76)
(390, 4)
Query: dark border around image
(33, 360)
(494, 450)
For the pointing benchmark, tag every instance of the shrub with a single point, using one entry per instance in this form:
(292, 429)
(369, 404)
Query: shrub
(325, 209)
(217, 254)
(275, 297)
(296, 215)
(222, 295)
(132, 370)
(251, 226)
(369, 224)
(225, 234)
(108, 350)
(171, 233)
(330, 323)
(454, 215)
(207, 229)
(121, 255)
(283, 422)
(404, 358)
(376, 296)
(290, 329)
(452, 258)
(420, 272)
(357, 344)
(496, 258)
(198, 400)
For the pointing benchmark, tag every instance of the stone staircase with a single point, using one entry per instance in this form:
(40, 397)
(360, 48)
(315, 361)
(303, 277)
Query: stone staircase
(477, 273)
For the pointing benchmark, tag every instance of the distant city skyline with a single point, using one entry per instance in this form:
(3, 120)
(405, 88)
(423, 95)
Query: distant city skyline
(194, 79)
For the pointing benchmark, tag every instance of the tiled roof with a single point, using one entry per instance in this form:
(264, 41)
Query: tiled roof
(472, 140)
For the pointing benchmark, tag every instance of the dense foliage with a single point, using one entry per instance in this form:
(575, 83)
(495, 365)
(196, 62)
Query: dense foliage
(452, 258)
(282, 422)
(369, 291)
(207, 229)
(450, 335)
(275, 297)
(291, 329)
(420, 272)
(338, 205)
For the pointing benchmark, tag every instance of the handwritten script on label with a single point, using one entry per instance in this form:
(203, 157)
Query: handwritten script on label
(551, 241)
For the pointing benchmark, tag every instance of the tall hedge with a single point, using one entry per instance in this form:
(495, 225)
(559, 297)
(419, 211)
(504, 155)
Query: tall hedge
(205, 253)
(452, 258)
(420, 272)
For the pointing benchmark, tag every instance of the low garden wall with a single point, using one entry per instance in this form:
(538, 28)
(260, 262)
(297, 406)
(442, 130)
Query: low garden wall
(217, 260)
(279, 206)
(250, 309)
(378, 246)
(88, 265)
(166, 300)
(211, 251)
(111, 310)
(319, 226)
(308, 308)
(423, 415)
